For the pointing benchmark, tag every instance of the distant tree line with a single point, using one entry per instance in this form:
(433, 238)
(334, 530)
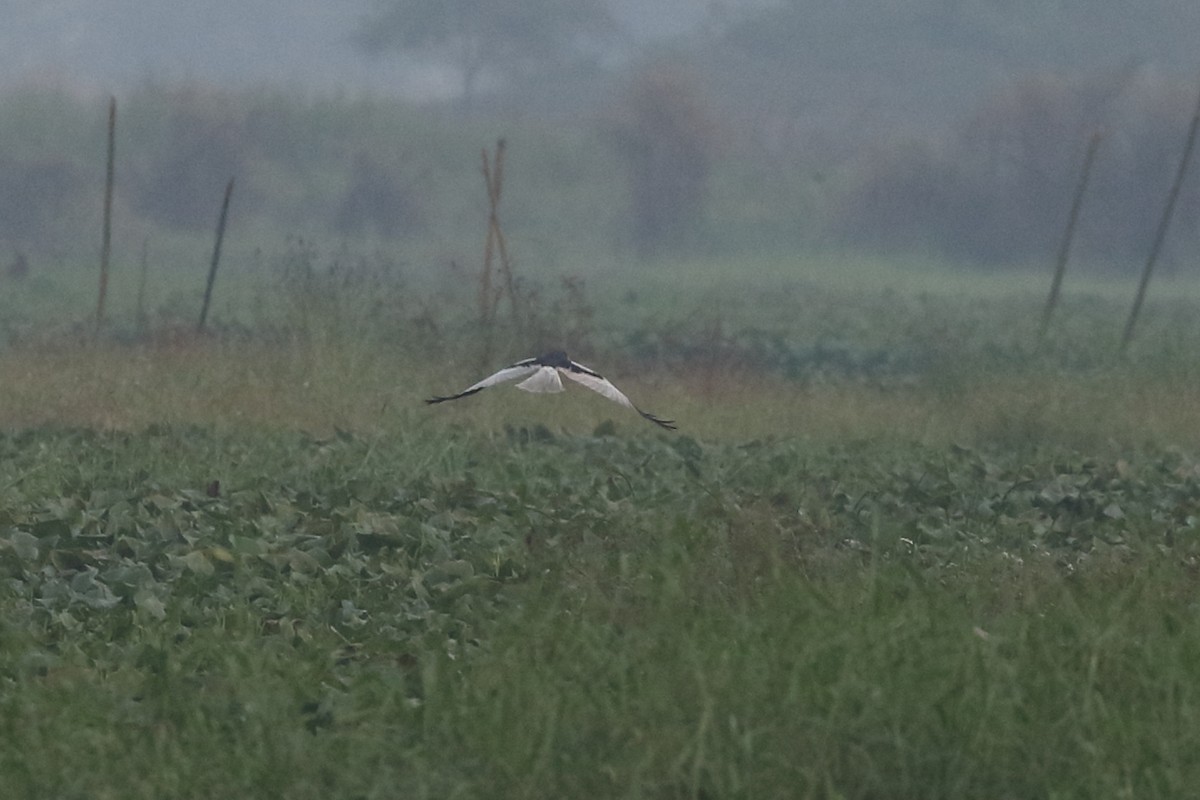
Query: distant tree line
(997, 189)
(824, 123)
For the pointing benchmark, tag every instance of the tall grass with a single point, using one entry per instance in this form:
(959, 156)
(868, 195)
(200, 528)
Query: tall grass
(851, 683)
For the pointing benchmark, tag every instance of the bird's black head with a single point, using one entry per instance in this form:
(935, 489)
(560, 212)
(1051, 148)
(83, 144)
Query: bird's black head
(555, 358)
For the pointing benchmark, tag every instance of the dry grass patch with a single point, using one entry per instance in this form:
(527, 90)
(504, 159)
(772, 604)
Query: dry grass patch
(319, 386)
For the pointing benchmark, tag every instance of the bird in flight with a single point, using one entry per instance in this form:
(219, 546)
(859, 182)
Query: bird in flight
(541, 375)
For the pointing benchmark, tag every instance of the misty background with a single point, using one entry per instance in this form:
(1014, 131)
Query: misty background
(949, 130)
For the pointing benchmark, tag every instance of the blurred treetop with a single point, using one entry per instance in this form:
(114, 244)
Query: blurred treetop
(483, 38)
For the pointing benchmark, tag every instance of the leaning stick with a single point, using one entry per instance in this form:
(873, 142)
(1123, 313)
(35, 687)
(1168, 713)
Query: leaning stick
(1163, 224)
(216, 256)
(106, 235)
(1064, 249)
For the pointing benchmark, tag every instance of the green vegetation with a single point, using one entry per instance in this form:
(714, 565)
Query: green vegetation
(895, 550)
(545, 615)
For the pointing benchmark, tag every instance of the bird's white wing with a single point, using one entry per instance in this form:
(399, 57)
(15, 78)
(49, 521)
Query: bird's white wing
(521, 369)
(601, 385)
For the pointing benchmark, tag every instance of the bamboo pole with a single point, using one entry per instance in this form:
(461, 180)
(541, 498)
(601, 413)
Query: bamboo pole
(489, 297)
(143, 319)
(486, 302)
(216, 256)
(494, 244)
(494, 221)
(1064, 250)
(106, 235)
(1163, 223)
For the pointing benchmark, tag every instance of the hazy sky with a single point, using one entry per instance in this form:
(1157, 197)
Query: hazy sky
(102, 46)
(107, 46)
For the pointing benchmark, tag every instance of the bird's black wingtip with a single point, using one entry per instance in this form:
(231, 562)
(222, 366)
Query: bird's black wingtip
(669, 424)
(440, 399)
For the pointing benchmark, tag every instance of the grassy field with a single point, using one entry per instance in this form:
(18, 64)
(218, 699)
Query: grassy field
(896, 549)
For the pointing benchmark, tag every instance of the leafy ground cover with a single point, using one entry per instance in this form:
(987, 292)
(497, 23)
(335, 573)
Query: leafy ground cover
(461, 613)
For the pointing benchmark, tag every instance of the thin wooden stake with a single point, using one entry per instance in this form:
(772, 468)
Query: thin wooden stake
(489, 298)
(216, 256)
(1163, 224)
(486, 301)
(506, 271)
(489, 295)
(1064, 249)
(106, 236)
(143, 269)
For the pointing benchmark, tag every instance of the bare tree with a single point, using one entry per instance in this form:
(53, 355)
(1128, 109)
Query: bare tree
(486, 37)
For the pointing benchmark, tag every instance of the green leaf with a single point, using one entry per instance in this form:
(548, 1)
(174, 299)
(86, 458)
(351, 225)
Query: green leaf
(198, 562)
(25, 545)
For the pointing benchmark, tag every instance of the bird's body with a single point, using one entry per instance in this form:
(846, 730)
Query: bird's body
(542, 375)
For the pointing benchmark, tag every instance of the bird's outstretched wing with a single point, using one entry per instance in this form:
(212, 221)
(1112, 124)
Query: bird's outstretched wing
(601, 385)
(521, 369)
